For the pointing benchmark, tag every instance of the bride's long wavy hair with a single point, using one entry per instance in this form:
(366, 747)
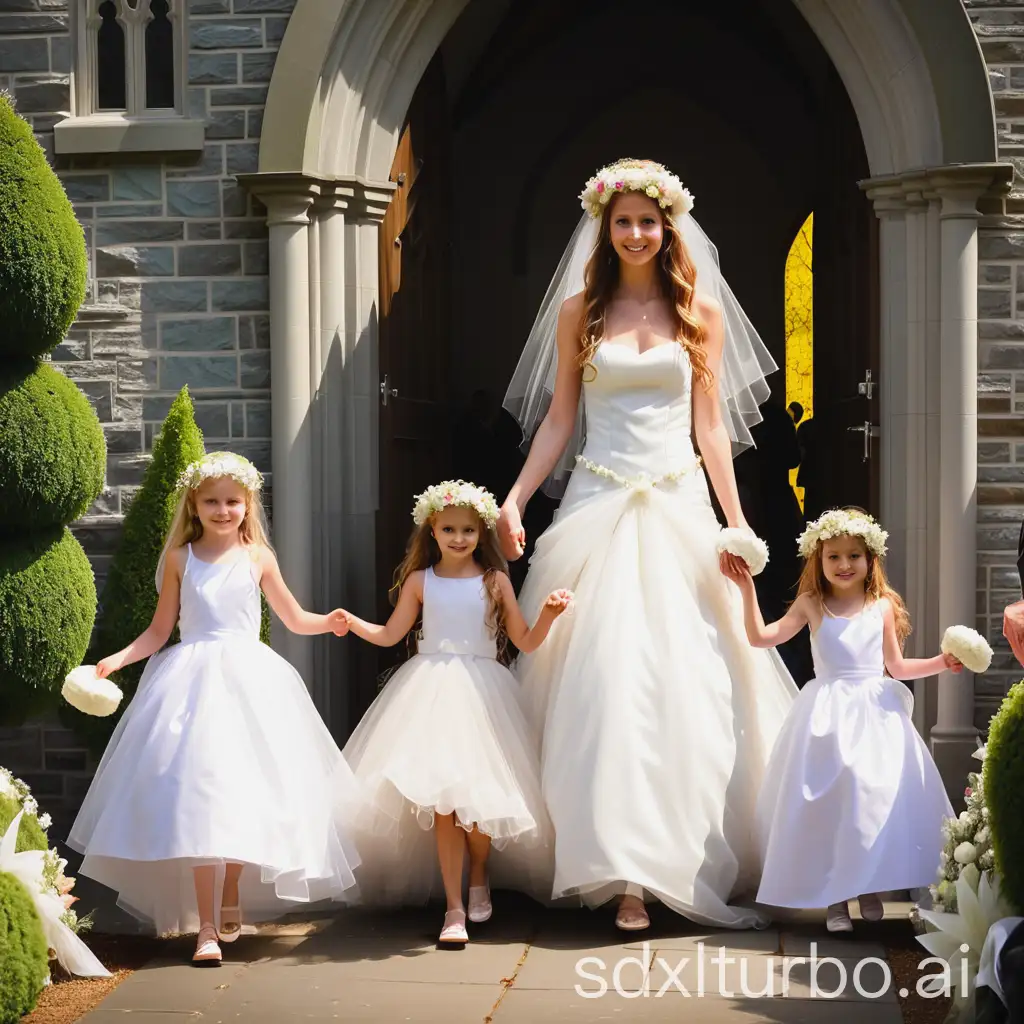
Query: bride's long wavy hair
(677, 275)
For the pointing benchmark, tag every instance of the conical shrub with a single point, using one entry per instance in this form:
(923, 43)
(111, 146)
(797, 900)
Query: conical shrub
(1004, 791)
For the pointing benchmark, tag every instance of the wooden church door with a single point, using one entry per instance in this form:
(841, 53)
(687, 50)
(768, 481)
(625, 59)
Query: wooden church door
(413, 354)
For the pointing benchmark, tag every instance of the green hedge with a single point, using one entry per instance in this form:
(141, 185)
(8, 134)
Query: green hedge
(47, 607)
(42, 247)
(24, 963)
(52, 452)
(30, 833)
(1004, 792)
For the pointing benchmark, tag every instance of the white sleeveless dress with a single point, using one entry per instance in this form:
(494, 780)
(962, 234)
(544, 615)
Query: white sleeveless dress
(657, 715)
(853, 802)
(447, 735)
(220, 756)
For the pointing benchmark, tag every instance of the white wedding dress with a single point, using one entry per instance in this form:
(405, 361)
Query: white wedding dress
(657, 716)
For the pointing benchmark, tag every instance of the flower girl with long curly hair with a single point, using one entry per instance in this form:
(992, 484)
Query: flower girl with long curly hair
(221, 764)
(445, 746)
(852, 803)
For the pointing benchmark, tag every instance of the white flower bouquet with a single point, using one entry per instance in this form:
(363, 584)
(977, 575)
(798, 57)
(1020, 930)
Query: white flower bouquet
(84, 690)
(744, 544)
(969, 647)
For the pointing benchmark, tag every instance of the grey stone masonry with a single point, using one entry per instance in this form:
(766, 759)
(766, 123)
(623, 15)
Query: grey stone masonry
(178, 289)
(999, 27)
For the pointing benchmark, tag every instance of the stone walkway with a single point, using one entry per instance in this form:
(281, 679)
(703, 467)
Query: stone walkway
(526, 966)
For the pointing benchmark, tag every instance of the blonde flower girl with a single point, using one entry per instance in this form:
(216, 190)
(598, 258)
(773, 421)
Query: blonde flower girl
(221, 764)
(445, 746)
(852, 804)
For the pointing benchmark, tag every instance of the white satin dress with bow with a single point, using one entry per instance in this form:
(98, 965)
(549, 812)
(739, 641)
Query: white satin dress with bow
(447, 735)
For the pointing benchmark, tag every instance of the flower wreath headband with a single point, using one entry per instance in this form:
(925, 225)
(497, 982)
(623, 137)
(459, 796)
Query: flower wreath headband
(218, 464)
(839, 522)
(455, 494)
(645, 176)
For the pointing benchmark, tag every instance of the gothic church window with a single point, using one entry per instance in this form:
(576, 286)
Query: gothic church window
(131, 58)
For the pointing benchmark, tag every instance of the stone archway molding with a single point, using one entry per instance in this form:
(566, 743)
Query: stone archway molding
(344, 77)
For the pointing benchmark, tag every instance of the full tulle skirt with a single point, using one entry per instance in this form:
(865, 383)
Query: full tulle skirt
(853, 802)
(220, 757)
(447, 735)
(657, 715)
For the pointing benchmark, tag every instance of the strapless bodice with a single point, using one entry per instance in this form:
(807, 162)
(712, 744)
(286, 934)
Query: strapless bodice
(638, 410)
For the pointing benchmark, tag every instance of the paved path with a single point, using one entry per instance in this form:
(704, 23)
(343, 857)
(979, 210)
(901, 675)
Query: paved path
(523, 967)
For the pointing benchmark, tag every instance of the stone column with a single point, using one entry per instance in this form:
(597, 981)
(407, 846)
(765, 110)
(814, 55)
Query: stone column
(954, 735)
(288, 204)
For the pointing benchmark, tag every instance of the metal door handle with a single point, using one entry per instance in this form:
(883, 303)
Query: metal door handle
(387, 392)
(869, 430)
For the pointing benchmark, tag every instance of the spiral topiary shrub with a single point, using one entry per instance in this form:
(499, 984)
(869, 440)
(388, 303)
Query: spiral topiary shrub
(1004, 789)
(47, 607)
(24, 963)
(52, 455)
(42, 247)
(30, 833)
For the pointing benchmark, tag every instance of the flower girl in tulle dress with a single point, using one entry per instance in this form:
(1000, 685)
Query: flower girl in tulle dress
(852, 802)
(221, 763)
(445, 746)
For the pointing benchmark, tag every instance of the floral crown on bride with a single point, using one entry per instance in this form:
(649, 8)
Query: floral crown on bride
(644, 176)
(218, 464)
(841, 522)
(455, 494)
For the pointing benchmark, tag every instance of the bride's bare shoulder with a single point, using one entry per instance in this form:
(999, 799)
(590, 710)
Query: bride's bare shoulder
(573, 306)
(707, 308)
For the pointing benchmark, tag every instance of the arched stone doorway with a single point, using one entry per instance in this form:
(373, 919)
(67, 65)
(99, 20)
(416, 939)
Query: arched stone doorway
(345, 77)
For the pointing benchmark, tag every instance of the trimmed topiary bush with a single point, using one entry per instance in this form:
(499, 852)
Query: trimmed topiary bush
(129, 595)
(42, 247)
(52, 451)
(24, 957)
(1004, 790)
(52, 455)
(47, 608)
(30, 833)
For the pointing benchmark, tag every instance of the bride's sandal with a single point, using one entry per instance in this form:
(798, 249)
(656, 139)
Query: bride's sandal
(207, 952)
(632, 916)
(230, 923)
(454, 929)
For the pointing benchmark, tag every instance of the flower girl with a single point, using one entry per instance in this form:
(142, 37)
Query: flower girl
(445, 745)
(221, 763)
(852, 803)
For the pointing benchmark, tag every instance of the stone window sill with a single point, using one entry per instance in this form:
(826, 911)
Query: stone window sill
(116, 134)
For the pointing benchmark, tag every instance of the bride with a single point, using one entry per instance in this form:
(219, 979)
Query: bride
(656, 716)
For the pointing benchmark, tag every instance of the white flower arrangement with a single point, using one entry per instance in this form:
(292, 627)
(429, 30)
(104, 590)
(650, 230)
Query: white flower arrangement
(640, 484)
(969, 647)
(643, 176)
(49, 874)
(217, 464)
(455, 494)
(744, 544)
(84, 690)
(838, 522)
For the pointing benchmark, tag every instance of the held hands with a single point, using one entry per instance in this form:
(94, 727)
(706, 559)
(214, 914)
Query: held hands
(511, 535)
(557, 602)
(338, 622)
(735, 569)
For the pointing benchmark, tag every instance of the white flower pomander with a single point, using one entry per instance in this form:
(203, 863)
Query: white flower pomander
(644, 176)
(217, 464)
(84, 690)
(969, 647)
(965, 853)
(455, 494)
(744, 544)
